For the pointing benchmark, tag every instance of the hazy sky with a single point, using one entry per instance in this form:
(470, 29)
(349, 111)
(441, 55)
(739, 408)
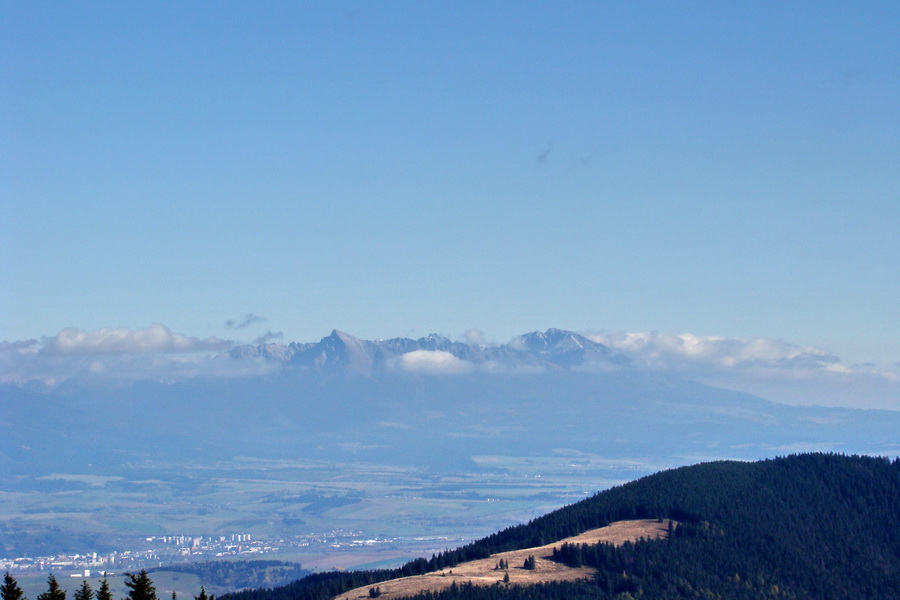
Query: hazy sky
(396, 168)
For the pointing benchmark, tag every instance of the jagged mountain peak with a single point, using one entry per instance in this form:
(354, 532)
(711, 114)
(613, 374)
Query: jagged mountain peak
(338, 350)
(435, 337)
(553, 336)
(339, 336)
(565, 348)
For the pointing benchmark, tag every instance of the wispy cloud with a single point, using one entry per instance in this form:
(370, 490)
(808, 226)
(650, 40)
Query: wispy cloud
(268, 337)
(542, 156)
(475, 337)
(248, 320)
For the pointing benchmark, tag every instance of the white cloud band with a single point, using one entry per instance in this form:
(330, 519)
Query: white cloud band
(153, 339)
(691, 352)
(155, 352)
(433, 362)
(773, 369)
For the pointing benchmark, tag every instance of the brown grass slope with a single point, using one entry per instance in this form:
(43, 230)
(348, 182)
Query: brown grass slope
(484, 572)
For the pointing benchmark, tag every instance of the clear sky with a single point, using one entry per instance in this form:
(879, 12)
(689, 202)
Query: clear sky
(396, 168)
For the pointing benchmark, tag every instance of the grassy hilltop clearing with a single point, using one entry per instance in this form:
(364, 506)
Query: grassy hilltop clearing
(528, 566)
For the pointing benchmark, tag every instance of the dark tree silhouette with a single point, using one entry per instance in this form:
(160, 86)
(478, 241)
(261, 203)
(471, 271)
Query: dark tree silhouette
(140, 587)
(203, 595)
(103, 593)
(53, 592)
(84, 592)
(10, 589)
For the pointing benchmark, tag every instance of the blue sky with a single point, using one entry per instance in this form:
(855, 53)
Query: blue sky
(397, 168)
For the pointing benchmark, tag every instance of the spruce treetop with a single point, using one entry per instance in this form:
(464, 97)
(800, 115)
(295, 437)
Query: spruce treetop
(10, 589)
(53, 591)
(103, 593)
(140, 587)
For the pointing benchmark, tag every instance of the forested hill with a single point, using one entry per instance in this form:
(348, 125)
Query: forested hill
(806, 526)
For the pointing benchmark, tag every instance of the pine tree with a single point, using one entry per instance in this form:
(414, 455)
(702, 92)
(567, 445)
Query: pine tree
(103, 593)
(139, 586)
(203, 595)
(11, 589)
(53, 592)
(84, 592)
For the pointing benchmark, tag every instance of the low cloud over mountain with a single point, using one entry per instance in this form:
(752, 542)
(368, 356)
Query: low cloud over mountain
(774, 369)
(432, 361)
(690, 353)
(154, 339)
(155, 352)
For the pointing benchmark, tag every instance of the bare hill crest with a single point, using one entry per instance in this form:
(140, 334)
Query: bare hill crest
(486, 571)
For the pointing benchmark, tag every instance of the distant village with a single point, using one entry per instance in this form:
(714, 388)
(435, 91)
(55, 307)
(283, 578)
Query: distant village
(162, 550)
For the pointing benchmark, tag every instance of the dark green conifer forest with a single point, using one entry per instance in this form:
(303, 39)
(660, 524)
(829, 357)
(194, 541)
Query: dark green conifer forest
(240, 574)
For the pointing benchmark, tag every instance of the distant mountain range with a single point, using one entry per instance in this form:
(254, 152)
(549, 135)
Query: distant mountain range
(551, 349)
(543, 392)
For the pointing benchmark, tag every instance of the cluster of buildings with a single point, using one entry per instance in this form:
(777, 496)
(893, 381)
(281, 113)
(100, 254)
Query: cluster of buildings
(168, 549)
(156, 551)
